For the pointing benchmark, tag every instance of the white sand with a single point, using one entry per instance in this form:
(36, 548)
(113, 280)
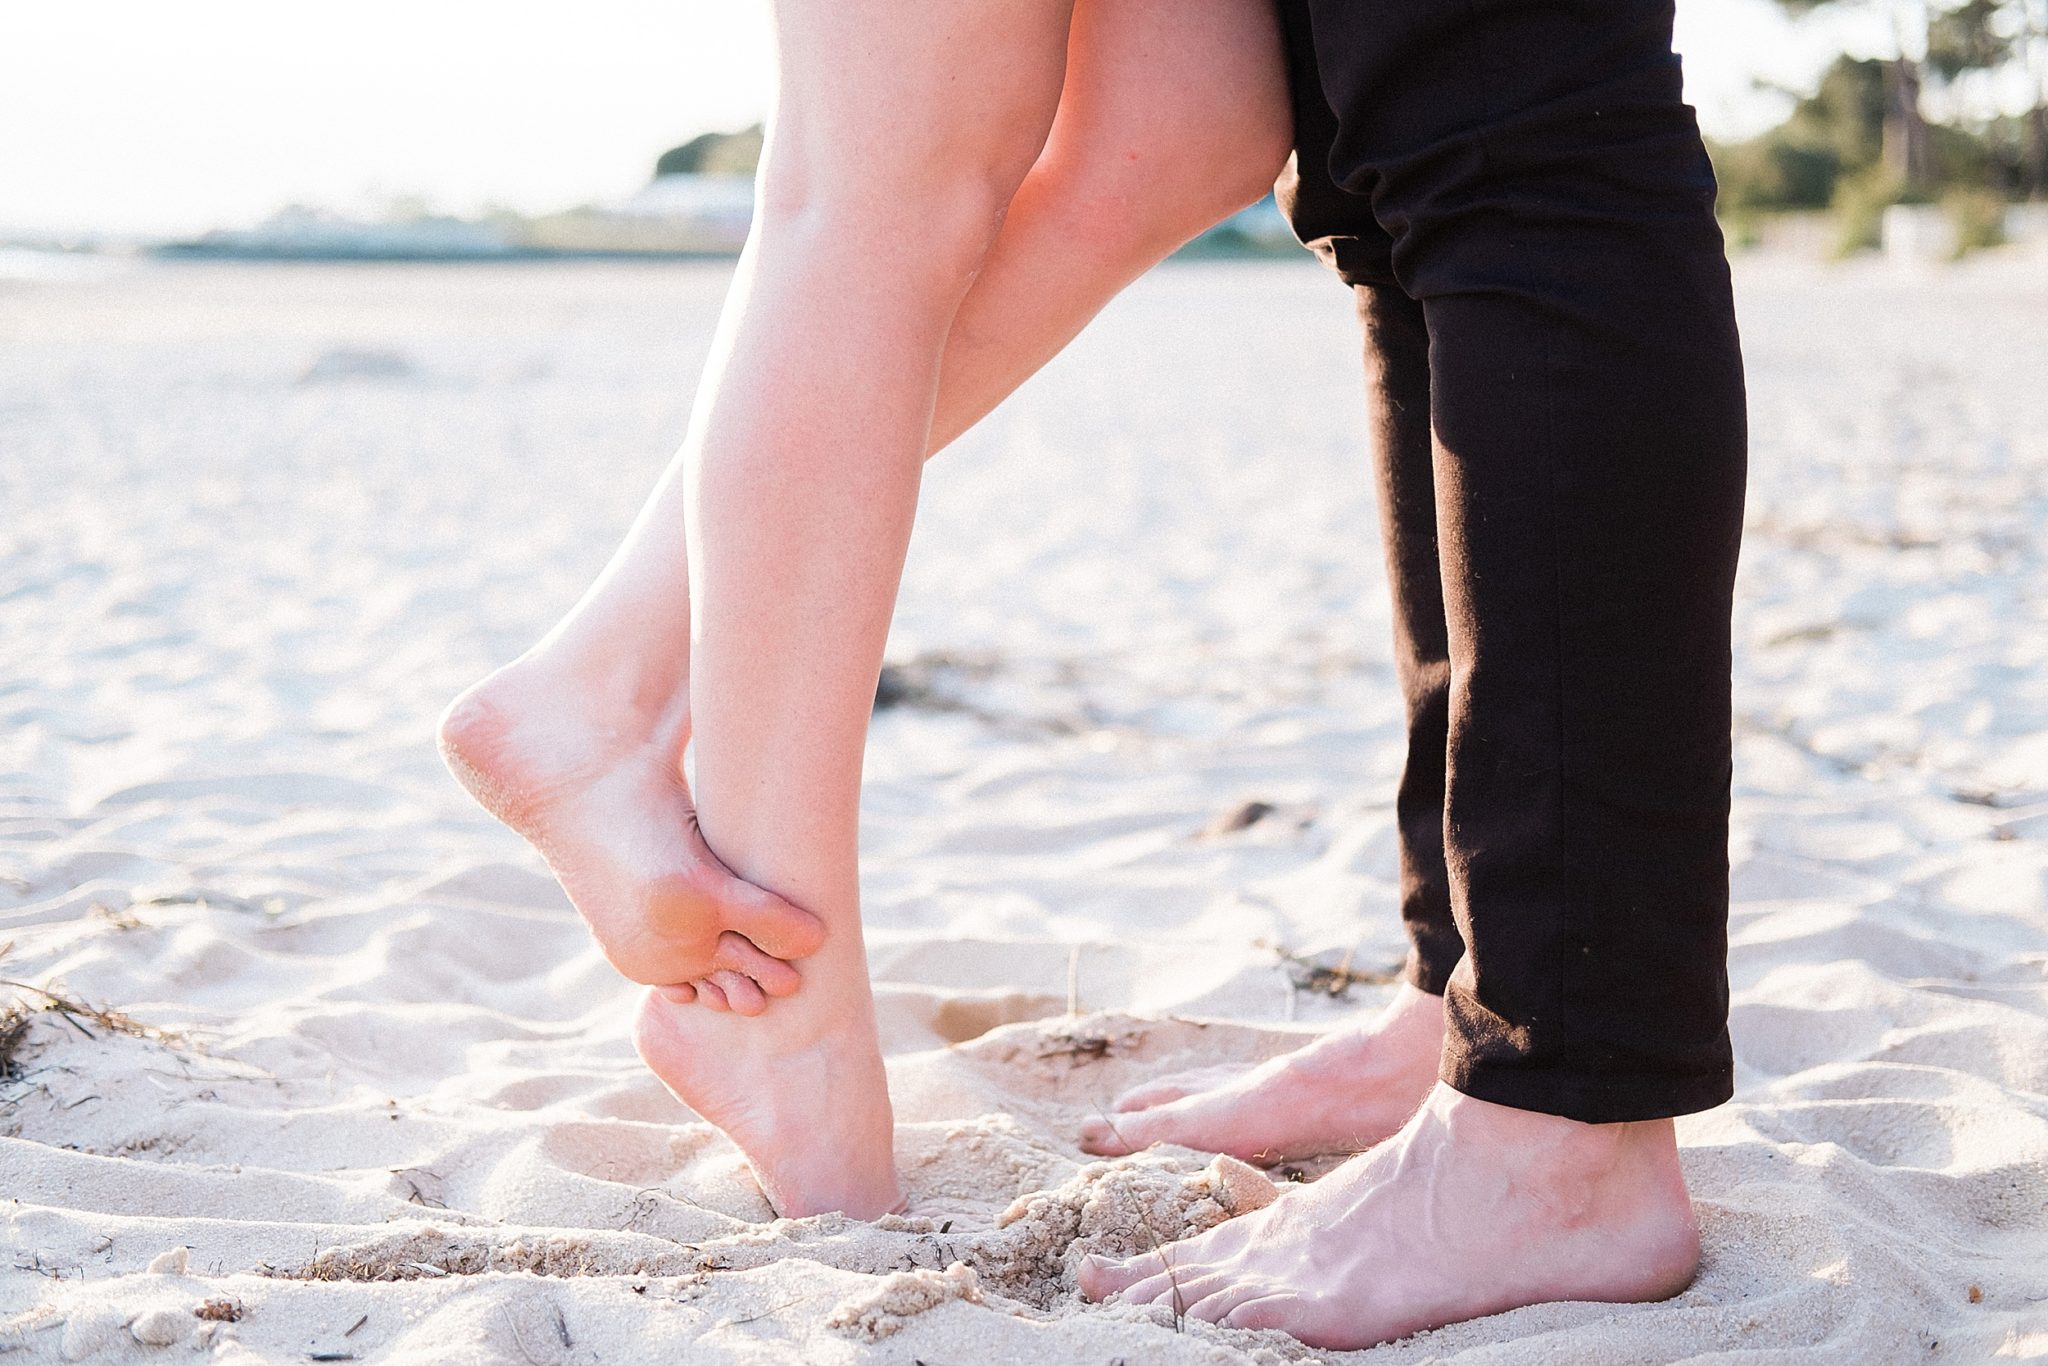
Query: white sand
(259, 523)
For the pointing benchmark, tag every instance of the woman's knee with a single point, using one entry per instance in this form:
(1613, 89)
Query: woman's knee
(1152, 195)
(914, 122)
(921, 200)
(1145, 154)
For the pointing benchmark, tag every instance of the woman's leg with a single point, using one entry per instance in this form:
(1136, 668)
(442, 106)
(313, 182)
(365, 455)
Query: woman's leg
(1173, 115)
(900, 135)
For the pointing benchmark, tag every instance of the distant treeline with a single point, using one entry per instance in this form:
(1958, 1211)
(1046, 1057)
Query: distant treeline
(1863, 140)
(714, 154)
(1859, 143)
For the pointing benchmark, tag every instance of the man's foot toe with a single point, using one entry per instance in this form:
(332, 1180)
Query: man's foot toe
(1262, 1310)
(1197, 1285)
(1104, 1139)
(1214, 1306)
(1161, 1287)
(1150, 1094)
(1175, 1086)
(1119, 1135)
(1099, 1277)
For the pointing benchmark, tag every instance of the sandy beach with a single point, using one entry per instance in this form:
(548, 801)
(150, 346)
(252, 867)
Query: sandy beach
(308, 1059)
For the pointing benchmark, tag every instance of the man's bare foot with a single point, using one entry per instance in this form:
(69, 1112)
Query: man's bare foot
(801, 1091)
(1341, 1094)
(602, 798)
(1471, 1209)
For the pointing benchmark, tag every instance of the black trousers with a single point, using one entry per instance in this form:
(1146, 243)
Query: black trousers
(1521, 201)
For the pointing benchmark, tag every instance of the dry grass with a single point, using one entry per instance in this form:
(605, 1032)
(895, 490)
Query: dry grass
(18, 1017)
(1077, 1048)
(1160, 1247)
(15, 1019)
(1306, 973)
(76, 1013)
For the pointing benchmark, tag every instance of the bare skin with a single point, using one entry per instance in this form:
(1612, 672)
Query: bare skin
(1171, 116)
(945, 198)
(606, 806)
(799, 483)
(1470, 1209)
(1343, 1093)
(814, 1139)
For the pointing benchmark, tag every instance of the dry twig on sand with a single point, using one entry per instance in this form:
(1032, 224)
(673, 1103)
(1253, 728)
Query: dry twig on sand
(14, 1022)
(1305, 973)
(1076, 1047)
(74, 1013)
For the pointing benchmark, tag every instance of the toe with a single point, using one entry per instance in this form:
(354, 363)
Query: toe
(1100, 1137)
(711, 994)
(1217, 1304)
(778, 927)
(1099, 1277)
(736, 953)
(680, 994)
(1116, 1135)
(1167, 1287)
(782, 929)
(1178, 1086)
(1152, 1093)
(1193, 1284)
(1263, 1310)
(741, 993)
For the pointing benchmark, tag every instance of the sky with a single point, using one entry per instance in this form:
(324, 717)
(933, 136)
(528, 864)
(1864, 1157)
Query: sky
(143, 117)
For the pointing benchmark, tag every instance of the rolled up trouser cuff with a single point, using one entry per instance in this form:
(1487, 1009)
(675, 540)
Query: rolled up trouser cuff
(1603, 1097)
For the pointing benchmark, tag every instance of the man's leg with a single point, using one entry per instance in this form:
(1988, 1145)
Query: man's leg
(1551, 206)
(1590, 457)
(1359, 1083)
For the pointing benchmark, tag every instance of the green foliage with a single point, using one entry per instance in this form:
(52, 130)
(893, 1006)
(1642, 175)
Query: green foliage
(1972, 37)
(1961, 38)
(1859, 204)
(1977, 218)
(1835, 132)
(1830, 151)
(714, 154)
(1968, 158)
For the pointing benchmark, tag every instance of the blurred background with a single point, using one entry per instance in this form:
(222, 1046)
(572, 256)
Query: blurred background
(460, 128)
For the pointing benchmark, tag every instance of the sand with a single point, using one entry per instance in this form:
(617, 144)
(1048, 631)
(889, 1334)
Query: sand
(368, 1092)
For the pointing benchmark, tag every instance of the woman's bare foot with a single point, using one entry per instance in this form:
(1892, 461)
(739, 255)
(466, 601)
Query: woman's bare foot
(602, 798)
(1472, 1209)
(1341, 1094)
(801, 1091)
